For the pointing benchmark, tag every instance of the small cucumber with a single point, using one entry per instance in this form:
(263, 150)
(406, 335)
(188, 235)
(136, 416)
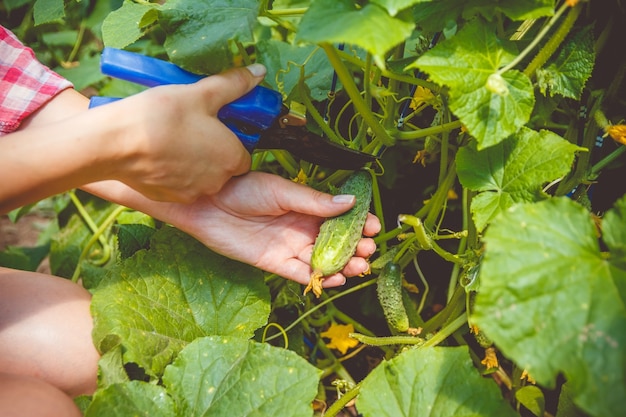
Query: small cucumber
(389, 290)
(336, 242)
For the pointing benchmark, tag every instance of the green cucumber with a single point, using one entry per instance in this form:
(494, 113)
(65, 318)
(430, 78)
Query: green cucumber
(389, 290)
(338, 237)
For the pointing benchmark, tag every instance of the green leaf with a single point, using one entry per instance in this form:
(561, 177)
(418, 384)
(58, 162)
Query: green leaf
(515, 9)
(67, 245)
(24, 258)
(134, 398)
(133, 237)
(550, 299)
(341, 21)
(394, 6)
(285, 61)
(434, 16)
(60, 38)
(571, 69)
(85, 74)
(531, 397)
(491, 106)
(111, 364)
(125, 25)
(14, 4)
(47, 11)
(435, 381)
(514, 171)
(200, 32)
(566, 407)
(160, 299)
(241, 378)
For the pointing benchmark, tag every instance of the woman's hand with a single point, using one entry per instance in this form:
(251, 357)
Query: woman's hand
(260, 219)
(166, 143)
(271, 223)
(174, 146)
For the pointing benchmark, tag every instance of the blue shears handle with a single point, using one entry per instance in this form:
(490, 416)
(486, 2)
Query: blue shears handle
(246, 117)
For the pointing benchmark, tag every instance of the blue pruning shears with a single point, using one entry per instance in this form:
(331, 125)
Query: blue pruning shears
(259, 119)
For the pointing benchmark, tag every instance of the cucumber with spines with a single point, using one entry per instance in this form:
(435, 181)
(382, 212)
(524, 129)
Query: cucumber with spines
(389, 291)
(338, 237)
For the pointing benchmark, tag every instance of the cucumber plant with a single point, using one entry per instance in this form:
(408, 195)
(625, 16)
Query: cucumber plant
(498, 126)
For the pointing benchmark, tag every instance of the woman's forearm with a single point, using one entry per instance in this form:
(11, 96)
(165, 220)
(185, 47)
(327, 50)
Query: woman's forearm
(54, 151)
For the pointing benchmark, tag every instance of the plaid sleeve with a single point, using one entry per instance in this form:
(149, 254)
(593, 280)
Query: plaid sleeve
(25, 83)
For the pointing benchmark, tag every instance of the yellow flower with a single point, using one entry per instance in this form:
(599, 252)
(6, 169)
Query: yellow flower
(525, 375)
(421, 96)
(571, 3)
(301, 178)
(491, 359)
(339, 335)
(618, 133)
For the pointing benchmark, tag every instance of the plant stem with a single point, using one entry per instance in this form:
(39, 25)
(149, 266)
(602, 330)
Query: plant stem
(457, 302)
(296, 11)
(317, 117)
(408, 79)
(341, 402)
(557, 38)
(428, 131)
(446, 331)
(387, 340)
(544, 31)
(87, 218)
(323, 303)
(96, 236)
(441, 195)
(79, 41)
(378, 210)
(352, 91)
(595, 170)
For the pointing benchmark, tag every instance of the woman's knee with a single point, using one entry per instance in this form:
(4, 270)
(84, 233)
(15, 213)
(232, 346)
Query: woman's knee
(45, 331)
(25, 396)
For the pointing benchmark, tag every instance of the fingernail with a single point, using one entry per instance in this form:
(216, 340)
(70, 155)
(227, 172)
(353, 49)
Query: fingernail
(343, 198)
(258, 70)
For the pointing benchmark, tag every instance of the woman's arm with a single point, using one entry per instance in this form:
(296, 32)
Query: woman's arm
(167, 143)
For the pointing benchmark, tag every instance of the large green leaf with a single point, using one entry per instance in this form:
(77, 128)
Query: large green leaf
(199, 32)
(554, 303)
(47, 11)
(160, 299)
(430, 382)
(284, 62)
(394, 6)
(132, 398)
(74, 234)
(221, 376)
(492, 106)
(512, 171)
(571, 69)
(125, 25)
(515, 9)
(341, 21)
(433, 16)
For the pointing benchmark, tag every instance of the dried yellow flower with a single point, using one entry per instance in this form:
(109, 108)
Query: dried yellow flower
(491, 359)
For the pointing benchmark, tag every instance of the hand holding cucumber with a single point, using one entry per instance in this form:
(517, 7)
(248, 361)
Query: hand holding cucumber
(269, 222)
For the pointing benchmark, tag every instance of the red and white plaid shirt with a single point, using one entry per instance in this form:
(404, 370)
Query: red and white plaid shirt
(25, 83)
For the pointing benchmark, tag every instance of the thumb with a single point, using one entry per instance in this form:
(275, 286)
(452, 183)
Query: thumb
(223, 88)
(306, 200)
